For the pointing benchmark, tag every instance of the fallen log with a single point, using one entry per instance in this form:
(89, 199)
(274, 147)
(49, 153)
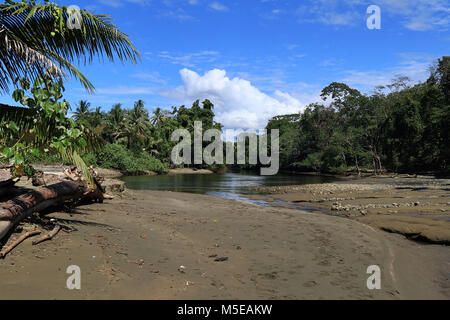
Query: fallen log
(48, 236)
(19, 240)
(15, 210)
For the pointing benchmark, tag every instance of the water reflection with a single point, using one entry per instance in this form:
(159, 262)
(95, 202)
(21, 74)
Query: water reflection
(233, 183)
(228, 185)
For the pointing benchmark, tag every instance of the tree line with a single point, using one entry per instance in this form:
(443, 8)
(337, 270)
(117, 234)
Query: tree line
(136, 141)
(398, 128)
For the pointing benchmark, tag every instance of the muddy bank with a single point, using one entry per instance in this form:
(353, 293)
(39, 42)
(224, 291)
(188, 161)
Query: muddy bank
(416, 207)
(190, 171)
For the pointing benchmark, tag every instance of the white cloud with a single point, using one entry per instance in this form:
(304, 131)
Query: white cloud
(330, 12)
(332, 62)
(218, 6)
(189, 60)
(417, 15)
(238, 104)
(414, 66)
(153, 77)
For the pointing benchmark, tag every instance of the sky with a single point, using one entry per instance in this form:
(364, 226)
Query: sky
(255, 59)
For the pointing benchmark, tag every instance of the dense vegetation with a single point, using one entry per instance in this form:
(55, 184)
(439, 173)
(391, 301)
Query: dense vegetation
(400, 128)
(37, 49)
(133, 140)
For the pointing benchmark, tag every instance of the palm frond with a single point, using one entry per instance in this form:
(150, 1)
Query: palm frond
(41, 29)
(73, 157)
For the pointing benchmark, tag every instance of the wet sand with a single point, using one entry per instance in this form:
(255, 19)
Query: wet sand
(164, 245)
(416, 207)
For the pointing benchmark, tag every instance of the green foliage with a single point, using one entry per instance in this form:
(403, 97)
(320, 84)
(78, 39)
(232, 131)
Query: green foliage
(148, 136)
(90, 159)
(34, 38)
(116, 156)
(405, 129)
(42, 127)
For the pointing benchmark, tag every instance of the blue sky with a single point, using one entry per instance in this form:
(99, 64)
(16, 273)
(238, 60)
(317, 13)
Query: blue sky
(258, 58)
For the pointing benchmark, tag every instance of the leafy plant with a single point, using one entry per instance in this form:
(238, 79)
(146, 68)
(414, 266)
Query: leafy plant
(42, 127)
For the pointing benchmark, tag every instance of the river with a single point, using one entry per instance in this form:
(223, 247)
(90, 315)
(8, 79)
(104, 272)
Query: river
(229, 185)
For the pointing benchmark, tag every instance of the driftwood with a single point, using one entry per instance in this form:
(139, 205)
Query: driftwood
(8, 249)
(48, 236)
(75, 190)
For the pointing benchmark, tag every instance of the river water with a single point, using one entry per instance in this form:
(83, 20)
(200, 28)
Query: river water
(229, 185)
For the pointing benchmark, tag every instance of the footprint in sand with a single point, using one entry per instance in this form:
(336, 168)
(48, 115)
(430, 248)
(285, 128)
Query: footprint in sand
(269, 276)
(310, 284)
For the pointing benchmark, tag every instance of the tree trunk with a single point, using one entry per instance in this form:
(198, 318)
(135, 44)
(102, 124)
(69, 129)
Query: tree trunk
(379, 164)
(357, 166)
(15, 210)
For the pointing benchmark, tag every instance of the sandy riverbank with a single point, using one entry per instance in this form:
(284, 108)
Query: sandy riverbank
(114, 173)
(417, 207)
(132, 247)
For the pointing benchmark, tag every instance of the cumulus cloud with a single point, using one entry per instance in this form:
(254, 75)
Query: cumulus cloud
(218, 6)
(238, 104)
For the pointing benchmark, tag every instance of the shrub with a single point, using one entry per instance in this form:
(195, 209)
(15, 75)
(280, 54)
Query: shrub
(116, 156)
(90, 159)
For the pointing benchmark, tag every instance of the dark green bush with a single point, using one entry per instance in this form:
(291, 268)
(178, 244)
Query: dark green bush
(90, 159)
(116, 156)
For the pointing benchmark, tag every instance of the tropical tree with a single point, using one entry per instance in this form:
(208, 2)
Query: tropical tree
(83, 110)
(36, 37)
(115, 120)
(159, 117)
(41, 127)
(38, 46)
(137, 124)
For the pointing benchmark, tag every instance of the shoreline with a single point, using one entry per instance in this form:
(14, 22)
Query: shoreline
(169, 245)
(134, 247)
(348, 176)
(115, 173)
(415, 207)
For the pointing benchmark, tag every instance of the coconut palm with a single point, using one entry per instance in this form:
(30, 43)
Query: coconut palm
(35, 39)
(137, 124)
(83, 110)
(115, 122)
(159, 117)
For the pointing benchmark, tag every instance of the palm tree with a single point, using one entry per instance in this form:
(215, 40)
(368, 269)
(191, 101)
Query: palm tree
(97, 117)
(137, 123)
(35, 39)
(116, 121)
(83, 110)
(116, 115)
(159, 117)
